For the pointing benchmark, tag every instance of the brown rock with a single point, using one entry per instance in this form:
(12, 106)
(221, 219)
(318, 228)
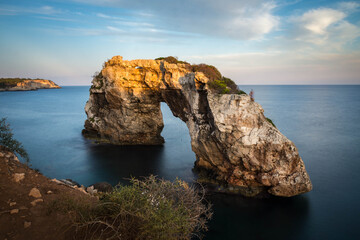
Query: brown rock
(34, 192)
(13, 211)
(33, 203)
(18, 177)
(27, 224)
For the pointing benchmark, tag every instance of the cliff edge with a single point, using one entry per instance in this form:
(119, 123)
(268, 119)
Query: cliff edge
(235, 145)
(22, 84)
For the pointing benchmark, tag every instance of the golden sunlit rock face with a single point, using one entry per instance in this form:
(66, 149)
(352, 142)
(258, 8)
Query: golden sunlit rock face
(235, 146)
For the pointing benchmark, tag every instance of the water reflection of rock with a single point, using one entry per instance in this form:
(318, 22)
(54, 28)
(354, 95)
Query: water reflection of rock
(114, 163)
(238, 217)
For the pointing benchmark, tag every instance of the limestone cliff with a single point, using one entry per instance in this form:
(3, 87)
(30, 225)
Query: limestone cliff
(235, 145)
(16, 84)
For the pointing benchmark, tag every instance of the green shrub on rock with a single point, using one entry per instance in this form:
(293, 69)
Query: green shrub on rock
(271, 122)
(225, 86)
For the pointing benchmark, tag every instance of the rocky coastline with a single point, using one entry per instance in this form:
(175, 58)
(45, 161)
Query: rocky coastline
(22, 84)
(33, 206)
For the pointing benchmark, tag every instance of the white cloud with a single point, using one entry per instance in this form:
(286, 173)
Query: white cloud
(9, 12)
(114, 29)
(47, 10)
(57, 19)
(101, 15)
(324, 27)
(104, 16)
(134, 24)
(253, 23)
(317, 21)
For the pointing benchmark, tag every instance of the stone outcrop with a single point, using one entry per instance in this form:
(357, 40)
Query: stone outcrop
(235, 146)
(26, 84)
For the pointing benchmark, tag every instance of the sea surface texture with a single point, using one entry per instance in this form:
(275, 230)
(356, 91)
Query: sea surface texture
(322, 121)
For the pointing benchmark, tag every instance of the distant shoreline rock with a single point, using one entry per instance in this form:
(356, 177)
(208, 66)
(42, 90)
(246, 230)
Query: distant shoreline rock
(24, 84)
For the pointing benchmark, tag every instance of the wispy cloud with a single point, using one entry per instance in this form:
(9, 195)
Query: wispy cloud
(348, 7)
(101, 15)
(115, 29)
(16, 10)
(134, 24)
(57, 19)
(252, 23)
(237, 19)
(9, 12)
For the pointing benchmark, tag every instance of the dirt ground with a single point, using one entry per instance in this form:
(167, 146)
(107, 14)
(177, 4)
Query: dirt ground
(25, 202)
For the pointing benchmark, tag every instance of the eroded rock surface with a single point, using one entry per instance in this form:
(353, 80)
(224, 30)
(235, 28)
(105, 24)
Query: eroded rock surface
(235, 145)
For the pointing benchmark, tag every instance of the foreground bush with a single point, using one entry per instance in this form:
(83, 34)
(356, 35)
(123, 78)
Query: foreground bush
(147, 209)
(7, 140)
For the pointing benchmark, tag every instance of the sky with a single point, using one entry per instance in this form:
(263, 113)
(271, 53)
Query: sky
(252, 42)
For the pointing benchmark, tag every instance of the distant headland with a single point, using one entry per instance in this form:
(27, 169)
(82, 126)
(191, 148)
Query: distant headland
(25, 84)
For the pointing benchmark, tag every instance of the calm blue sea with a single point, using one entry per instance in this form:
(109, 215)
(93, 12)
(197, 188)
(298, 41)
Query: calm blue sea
(322, 121)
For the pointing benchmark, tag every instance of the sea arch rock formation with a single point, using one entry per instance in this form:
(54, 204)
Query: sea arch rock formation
(235, 145)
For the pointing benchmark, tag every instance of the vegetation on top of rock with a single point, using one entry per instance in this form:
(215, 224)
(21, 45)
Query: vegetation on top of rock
(225, 86)
(7, 140)
(217, 82)
(147, 209)
(11, 82)
(270, 121)
(18, 79)
(171, 59)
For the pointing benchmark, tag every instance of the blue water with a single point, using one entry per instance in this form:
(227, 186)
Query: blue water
(322, 121)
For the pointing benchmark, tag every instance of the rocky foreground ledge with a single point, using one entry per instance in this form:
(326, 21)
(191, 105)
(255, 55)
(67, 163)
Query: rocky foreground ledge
(236, 146)
(26, 199)
(22, 84)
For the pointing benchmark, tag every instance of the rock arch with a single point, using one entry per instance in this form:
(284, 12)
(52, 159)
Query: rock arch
(235, 145)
